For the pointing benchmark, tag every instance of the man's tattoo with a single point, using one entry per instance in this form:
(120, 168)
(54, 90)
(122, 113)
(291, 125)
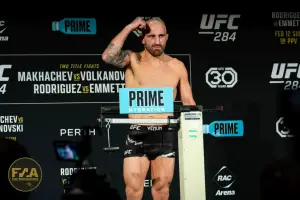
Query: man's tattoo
(115, 56)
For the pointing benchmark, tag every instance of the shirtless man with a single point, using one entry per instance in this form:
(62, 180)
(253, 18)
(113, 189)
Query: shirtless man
(149, 143)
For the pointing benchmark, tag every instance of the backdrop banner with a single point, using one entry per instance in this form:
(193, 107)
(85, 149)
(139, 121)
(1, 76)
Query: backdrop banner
(53, 82)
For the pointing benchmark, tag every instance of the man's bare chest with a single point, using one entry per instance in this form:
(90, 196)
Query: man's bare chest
(162, 76)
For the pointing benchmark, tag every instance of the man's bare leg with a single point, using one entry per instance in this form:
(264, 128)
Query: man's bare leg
(162, 172)
(135, 171)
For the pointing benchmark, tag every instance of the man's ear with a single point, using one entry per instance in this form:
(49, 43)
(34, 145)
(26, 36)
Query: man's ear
(167, 37)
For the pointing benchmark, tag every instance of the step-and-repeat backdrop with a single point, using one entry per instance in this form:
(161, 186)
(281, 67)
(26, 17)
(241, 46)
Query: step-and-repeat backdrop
(53, 82)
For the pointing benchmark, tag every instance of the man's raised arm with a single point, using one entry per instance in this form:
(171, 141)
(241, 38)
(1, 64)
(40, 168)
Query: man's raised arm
(113, 54)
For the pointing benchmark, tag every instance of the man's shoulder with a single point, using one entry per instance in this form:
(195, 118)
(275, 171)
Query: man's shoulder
(136, 55)
(174, 61)
(177, 65)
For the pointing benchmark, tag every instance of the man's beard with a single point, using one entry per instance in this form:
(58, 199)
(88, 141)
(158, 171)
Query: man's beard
(155, 52)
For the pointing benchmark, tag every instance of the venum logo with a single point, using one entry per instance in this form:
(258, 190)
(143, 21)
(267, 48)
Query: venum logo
(224, 178)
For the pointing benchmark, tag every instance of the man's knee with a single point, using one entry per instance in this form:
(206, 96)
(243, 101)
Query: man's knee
(134, 192)
(161, 185)
(135, 186)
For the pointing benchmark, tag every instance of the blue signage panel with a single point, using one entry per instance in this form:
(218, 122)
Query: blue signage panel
(227, 128)
(146, 100)
(76, 26)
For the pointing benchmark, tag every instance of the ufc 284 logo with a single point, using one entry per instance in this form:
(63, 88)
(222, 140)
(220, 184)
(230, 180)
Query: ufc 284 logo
(221, 77)
(287, 74)
(211, 24)
(3, 78)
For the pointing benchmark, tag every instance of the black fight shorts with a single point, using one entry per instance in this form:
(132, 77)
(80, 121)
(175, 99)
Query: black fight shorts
(150, 142)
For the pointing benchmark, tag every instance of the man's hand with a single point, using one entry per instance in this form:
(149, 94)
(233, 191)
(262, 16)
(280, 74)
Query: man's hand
(137, 23)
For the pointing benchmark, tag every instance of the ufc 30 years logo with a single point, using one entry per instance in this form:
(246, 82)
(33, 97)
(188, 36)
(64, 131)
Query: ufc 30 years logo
(221, 77)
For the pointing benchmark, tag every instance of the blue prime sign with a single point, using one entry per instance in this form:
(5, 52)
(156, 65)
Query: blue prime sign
(227, 128)
(146, 100)
(76, 26)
